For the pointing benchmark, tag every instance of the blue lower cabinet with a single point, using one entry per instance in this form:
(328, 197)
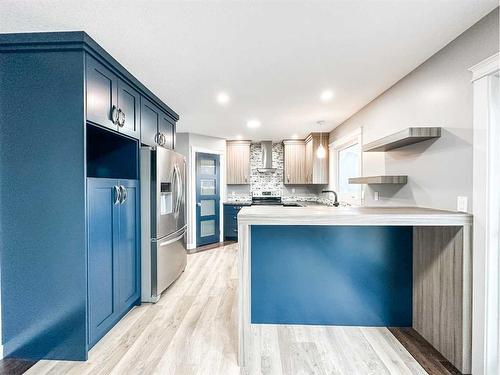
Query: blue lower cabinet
(231, 221)
(128, 245)
(113, 252)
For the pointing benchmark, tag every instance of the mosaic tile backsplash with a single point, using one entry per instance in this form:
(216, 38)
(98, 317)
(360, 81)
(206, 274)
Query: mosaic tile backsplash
(272, 181)
(266, 181)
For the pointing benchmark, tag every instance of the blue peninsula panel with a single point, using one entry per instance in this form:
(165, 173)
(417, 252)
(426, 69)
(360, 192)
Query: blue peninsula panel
(332, 275)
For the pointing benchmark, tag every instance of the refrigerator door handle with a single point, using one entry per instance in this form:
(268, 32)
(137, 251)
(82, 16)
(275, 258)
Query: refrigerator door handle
(175, 239)
(179, 189)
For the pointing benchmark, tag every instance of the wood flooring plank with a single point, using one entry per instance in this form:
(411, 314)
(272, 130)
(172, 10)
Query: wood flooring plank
(193, 330)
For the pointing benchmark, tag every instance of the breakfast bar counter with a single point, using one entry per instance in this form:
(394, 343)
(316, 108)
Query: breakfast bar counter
(357, 266)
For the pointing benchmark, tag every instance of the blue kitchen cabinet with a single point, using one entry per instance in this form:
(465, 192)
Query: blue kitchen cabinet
(111, 102)
(113, 252)
(231, 221)
(157, 127)
(129, 245)
(167, 128)
(101, 93)
(76, 270)
(129, 103)
(150, 120)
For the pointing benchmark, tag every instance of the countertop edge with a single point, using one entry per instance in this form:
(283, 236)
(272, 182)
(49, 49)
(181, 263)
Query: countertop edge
(407, 216)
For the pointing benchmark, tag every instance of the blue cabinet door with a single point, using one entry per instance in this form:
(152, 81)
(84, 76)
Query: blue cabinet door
(128, 287)
(113, 252)
(129, 102)
(101, 93)
(103, 233)
(150, 120)
(167, 128)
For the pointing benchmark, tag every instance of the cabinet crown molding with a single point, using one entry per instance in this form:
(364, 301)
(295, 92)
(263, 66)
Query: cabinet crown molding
(75, 41)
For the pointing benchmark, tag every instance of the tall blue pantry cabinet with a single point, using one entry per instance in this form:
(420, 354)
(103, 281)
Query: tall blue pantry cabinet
(70, 131)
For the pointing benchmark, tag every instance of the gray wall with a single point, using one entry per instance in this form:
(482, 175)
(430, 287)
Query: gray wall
(437, 93)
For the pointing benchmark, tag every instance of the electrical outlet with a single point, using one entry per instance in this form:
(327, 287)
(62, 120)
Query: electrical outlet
(462, 204)
(293, 190)
(375, 195)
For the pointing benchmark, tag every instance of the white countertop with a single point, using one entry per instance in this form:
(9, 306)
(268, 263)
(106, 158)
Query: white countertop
(323, 215)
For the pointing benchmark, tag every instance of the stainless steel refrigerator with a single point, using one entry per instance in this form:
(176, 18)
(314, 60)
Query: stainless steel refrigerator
(163, 220)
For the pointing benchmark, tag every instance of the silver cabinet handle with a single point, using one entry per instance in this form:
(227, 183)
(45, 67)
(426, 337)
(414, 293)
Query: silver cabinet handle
(123, 194)
(163, 139)
(118, 194)
(114, 115)
(160, 139)
(121, 118)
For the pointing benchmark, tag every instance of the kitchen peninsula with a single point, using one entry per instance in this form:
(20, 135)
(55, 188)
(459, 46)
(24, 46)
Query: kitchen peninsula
(368, 266)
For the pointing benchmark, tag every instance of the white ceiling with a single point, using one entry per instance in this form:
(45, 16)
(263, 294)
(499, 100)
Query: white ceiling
(273, 58)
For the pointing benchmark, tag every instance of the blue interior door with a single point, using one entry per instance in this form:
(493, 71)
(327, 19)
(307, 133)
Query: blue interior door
(207, 198)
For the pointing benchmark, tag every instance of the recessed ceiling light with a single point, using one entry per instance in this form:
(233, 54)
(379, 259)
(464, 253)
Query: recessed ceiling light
(239, 137)
(253, 123)
(326, 95)
(223, 98)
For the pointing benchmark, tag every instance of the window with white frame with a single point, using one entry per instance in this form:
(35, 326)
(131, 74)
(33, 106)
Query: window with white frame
(346, 162)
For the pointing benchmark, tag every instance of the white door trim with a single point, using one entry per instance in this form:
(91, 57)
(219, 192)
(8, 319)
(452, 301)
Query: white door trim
(192, 192)
(486, 210)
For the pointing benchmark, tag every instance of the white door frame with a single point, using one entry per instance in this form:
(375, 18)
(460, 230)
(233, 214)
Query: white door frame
(486, 210)
(191, 243)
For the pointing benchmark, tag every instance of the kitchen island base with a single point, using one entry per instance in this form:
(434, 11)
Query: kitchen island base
(439, 261)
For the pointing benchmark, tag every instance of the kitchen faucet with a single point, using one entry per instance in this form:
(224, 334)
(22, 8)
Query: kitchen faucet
(336, 202)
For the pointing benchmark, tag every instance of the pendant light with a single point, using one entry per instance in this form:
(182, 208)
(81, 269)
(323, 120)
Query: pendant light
(321, 152)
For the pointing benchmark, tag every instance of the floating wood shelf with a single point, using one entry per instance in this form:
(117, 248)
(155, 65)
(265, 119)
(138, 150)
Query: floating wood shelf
(391, 180)
(403, 138)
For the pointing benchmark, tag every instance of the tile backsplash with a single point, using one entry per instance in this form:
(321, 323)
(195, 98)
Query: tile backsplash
(269, 181)
(266, 181)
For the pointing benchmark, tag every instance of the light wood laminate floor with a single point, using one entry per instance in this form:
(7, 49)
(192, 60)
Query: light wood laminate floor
(192, 330)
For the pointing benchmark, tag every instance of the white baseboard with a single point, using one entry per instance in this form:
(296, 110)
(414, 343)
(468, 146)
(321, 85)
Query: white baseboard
(191, 246)
(1, 351)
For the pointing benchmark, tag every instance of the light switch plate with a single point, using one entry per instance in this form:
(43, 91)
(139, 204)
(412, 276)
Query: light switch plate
(462, 204)
(375, 195)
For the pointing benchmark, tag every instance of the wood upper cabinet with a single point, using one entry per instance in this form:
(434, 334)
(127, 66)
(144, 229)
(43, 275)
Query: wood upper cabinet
(316, 168)
(309, 160)
(294, 162)
(302, 165)
(238, 162)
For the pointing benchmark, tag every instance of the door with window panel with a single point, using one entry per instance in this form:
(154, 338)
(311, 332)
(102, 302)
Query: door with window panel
(207, 198)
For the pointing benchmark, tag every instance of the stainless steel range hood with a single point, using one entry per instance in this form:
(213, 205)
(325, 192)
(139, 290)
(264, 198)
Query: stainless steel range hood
(267, 157)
